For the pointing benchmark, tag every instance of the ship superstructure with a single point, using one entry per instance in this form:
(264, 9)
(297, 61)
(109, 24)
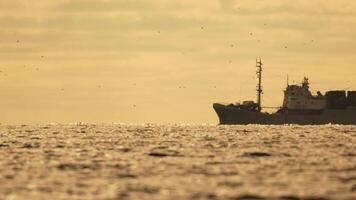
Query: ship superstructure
(299, 99)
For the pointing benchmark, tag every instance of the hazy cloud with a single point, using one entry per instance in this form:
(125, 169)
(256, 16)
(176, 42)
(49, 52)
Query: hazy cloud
(179, 54)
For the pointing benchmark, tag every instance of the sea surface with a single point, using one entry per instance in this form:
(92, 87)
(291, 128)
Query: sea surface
(120, 161)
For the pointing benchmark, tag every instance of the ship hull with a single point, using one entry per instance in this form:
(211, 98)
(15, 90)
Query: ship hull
(232, 115)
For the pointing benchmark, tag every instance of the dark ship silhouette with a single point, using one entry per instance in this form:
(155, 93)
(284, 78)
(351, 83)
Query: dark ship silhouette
(300, 106)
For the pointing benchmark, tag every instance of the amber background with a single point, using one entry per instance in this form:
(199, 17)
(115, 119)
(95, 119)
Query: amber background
(162, 61)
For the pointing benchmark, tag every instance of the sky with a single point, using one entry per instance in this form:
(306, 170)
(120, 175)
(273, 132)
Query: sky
(165, 61)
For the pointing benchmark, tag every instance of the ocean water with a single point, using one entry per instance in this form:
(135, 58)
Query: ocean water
(120, 161)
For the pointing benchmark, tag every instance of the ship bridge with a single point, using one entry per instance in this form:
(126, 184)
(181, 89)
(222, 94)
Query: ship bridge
(299, 97)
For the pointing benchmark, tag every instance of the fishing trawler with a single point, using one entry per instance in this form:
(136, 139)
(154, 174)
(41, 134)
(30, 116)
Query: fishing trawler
(300, 106)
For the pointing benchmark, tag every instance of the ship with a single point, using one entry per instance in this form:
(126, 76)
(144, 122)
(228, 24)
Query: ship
(300, 106)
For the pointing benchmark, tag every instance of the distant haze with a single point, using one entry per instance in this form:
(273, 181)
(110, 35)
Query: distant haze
(162, 61)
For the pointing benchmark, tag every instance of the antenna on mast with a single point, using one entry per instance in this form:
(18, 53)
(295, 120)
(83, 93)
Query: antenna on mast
(287, 80)
(259, 85)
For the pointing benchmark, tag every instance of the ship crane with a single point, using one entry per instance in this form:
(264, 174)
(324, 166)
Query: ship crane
(259, 85)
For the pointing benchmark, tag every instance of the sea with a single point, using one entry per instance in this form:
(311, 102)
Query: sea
(177, 161)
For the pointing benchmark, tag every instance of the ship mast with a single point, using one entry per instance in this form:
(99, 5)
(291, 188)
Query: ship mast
(259, 85)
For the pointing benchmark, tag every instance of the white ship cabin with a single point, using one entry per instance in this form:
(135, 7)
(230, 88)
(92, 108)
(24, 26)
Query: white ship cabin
(298, 97)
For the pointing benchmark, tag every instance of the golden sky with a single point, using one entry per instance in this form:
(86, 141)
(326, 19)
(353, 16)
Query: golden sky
(161, 61)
